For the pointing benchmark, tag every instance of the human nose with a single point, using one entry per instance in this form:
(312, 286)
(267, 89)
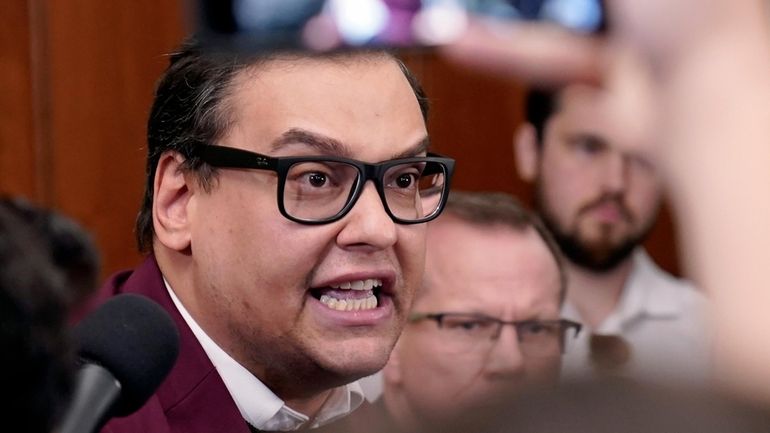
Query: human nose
(368, 224)
(615, 176)
(506, 360)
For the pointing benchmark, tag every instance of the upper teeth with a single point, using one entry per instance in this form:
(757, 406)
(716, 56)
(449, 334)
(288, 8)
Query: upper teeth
(359, 284)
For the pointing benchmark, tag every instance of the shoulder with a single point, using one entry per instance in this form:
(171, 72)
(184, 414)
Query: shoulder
(145, 279)
(664, 294)
(646, 272)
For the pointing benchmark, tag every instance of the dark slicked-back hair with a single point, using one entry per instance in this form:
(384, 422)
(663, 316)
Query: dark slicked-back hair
(192, 108)
(497, 208)
(540, 106)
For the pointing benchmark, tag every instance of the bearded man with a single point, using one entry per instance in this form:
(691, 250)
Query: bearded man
(600, 202)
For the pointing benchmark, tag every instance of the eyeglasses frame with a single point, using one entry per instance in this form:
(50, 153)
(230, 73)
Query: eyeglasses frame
(439, 317)
(231, 157)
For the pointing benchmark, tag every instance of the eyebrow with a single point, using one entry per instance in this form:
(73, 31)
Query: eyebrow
(421, 147)
(328, 145)
(320, 142)
(588, 135)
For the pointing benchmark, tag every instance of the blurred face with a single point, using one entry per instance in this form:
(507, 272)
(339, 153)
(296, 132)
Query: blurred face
(263, 285)
(495, 271)
(598, 201)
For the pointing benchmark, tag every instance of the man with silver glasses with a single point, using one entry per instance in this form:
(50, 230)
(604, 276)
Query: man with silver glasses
(486, 319)
(283, 216)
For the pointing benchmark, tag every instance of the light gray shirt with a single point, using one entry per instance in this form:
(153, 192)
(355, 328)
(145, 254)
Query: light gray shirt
(663, 320)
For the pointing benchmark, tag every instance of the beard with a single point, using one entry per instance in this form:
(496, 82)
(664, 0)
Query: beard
(599, 256)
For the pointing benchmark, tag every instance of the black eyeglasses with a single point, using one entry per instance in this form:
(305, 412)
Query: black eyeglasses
(323, 189)
(468, 332)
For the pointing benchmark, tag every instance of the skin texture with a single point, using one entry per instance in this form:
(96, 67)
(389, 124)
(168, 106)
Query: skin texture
(493, 270)
(245, 272)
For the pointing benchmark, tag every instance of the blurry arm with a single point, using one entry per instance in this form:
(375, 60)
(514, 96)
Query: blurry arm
(716, 158)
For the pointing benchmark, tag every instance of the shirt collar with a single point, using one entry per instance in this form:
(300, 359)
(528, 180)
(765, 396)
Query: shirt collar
(258, 405)
(648, 292)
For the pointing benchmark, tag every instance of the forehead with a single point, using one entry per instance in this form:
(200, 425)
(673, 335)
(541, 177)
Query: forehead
(492, 269)
(580, 108)
(363, 101)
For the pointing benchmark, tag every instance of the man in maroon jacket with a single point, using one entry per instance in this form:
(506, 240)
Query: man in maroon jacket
(282, 213)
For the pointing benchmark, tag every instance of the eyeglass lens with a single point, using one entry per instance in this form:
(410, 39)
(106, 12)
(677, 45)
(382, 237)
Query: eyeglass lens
(468, 333)
(316, 190)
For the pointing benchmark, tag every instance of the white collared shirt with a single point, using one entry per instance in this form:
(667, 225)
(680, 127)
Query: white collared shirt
(662, 318)
(258, 405)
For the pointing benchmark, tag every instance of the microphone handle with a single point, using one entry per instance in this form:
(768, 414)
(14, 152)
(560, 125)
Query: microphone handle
(96, 391)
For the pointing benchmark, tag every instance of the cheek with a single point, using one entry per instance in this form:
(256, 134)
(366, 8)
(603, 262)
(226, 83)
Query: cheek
(410, 251)
(437, 380)
(257, 262)
(424, 358)
(411, 241)
(225, 220)
(564, 194)
(571, 177)
(644, 198)
(252, 234)
(543, 370)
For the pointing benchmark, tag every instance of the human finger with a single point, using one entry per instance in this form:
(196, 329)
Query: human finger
(534, 52)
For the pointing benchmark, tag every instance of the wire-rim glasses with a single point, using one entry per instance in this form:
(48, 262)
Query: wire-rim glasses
(468, 332)
(323, 189)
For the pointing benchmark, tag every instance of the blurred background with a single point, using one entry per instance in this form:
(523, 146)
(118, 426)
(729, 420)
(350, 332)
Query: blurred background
(76, 84)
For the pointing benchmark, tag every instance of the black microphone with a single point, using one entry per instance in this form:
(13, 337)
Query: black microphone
(127, 347)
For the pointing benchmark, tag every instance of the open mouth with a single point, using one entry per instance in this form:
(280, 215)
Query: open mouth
(358, 295)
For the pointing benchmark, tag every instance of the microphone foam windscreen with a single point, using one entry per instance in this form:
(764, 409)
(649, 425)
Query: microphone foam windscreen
(136, 340)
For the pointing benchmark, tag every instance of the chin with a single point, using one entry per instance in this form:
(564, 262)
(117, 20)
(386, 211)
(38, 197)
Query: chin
(355, 359)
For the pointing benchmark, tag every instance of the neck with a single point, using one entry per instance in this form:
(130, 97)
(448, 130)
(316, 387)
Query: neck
(596, 295)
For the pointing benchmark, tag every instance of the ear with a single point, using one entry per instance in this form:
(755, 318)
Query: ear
(391, 373)
(527, 152)
(170, 204)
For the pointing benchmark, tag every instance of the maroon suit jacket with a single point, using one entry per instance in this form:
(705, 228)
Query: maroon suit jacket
(193, 398)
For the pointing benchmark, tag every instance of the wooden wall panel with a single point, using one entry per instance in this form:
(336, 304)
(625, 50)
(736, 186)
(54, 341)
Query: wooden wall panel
(104, 59)
(18, 174)
(473, 118)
